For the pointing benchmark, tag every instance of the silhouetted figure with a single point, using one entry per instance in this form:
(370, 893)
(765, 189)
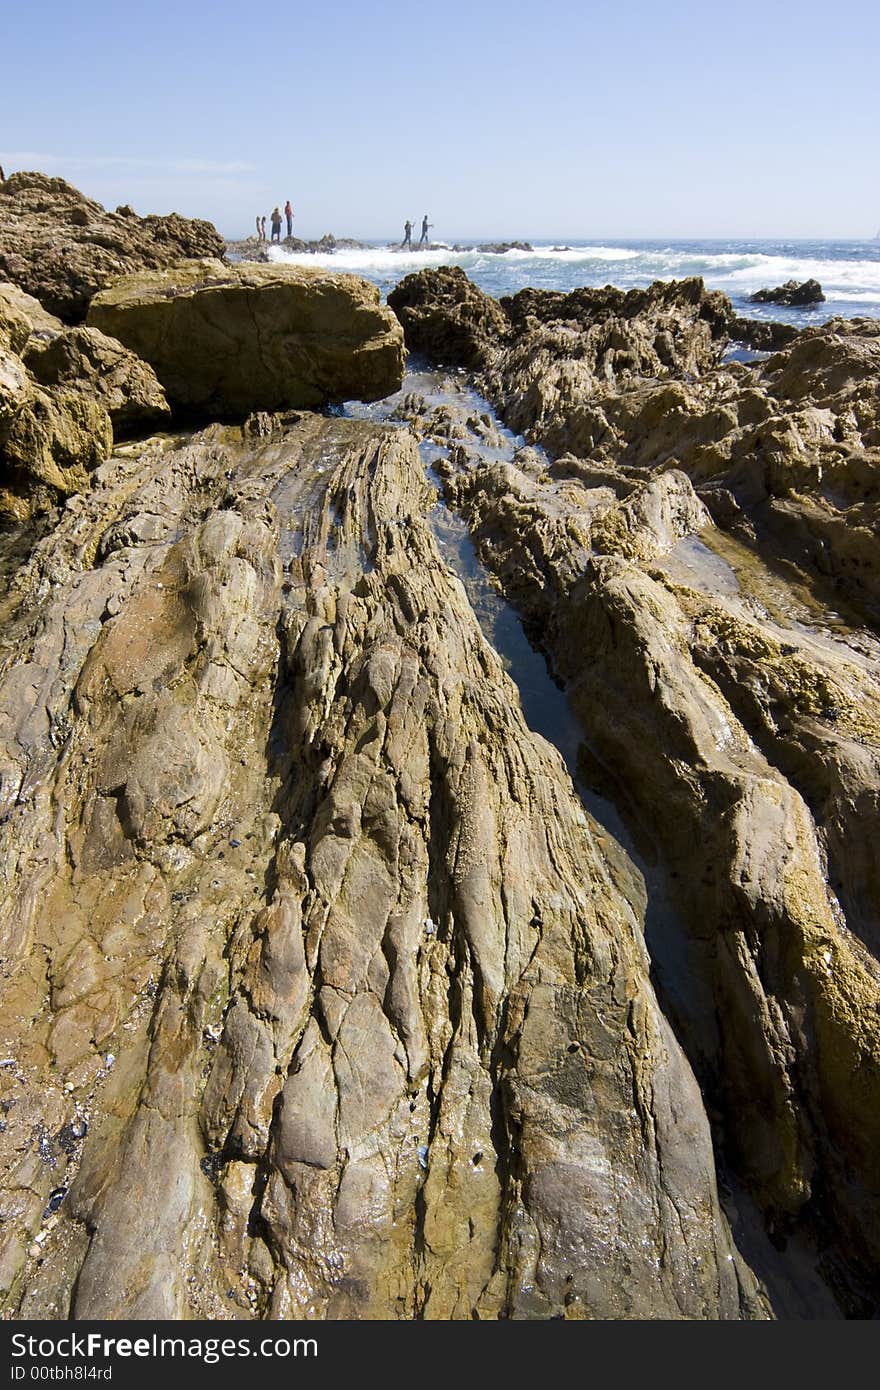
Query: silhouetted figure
(2, 175)
(276, 224)
(423, 239)
(288, 213)
(407, 235)
(262, 229)
(259, 229)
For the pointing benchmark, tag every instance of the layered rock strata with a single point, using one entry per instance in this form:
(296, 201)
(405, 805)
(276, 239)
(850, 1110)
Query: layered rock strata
(734, 710)
(65, 393)
(320, 997)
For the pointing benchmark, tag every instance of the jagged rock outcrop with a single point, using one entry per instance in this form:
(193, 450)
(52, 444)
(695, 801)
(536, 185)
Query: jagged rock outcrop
(446, 317)
(796, 294)
(229, 340)
(785, 447)
(321, 997)
(677, 326)
(764, 335)
(90, 363)
(732, 704)
(64, 393)
(62, 247)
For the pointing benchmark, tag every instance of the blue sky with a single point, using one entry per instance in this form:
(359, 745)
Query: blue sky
(554, 120)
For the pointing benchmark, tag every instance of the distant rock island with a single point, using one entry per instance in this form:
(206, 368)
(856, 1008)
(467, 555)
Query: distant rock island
(793, 293)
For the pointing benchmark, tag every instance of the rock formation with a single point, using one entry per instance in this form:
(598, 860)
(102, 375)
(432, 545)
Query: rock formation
(62, 247)
(735, 710)
(793, 293)
(227, 340)
(324, 994)
(64, 394)
(252, 249)
(320, 998)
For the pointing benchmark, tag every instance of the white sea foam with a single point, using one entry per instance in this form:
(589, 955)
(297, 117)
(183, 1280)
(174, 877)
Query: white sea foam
(738, 272)
(373, 259)
(839, 279)
(584, 253)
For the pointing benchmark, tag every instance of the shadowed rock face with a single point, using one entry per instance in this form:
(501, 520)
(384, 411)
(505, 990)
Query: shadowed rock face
(689, 554)
(228, 340)
(447, 318)
(64, 394)
(62, 247)
(320, 995)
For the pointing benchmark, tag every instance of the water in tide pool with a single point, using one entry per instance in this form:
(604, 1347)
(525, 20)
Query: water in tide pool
(848, 271)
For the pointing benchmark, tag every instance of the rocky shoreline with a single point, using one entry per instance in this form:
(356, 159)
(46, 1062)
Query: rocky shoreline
(323, 993)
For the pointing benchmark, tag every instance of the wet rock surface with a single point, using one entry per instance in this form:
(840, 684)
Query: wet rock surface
(229, 340)
(62, 247)
(321, 998)
(696, 552)
(328, 992)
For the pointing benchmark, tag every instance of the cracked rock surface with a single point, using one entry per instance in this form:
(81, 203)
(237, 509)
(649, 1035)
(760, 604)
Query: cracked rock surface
(696, 551)
(320, 994)
(227, 340)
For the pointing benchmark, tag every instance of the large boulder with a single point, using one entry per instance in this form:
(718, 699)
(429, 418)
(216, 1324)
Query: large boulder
(62, 247)
(448, 318)
(228, 340)
(48, 447)
(23, 318)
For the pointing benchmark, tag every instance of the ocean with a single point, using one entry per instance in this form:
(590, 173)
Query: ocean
(848, 271)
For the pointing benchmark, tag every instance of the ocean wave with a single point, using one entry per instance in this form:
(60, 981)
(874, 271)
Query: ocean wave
(840, 274)
(371, 259)
(585, 254)
(847, 278)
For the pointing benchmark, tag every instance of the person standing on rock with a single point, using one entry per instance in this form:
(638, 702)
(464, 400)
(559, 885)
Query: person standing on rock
(426, 225)
(262, 229)
(259, 229)
(407, 235)
(276, 224)
(288, 213)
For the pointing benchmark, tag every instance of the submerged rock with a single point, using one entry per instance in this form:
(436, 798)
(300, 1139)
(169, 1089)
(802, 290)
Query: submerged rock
(62, 247)
(793, 293)
(229, 340)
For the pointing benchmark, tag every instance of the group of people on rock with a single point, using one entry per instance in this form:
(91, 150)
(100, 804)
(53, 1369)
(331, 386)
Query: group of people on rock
(275, 219)
(407, 233)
